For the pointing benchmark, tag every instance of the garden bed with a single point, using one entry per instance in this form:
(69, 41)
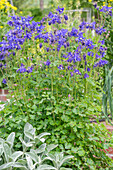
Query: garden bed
(55, 74)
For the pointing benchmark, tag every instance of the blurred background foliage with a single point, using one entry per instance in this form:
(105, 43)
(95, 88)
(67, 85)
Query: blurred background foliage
(39, 8)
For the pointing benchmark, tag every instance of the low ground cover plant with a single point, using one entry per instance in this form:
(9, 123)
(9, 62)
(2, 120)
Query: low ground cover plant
(54, 76)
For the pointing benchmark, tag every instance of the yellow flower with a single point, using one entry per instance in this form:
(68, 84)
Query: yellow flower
(7, 5)
(1, 27)
(20, 12)
(13, 7)
(37, 46)
(109, 5)
(90, 0)
(104, 3)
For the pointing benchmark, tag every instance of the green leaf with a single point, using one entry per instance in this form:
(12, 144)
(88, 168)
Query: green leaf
(32, 154)
(20, 166)
(41, 148)
(30, 163)
(6, 165)
(1, 150)
(29, 144)
(28, 128)
(65, 159)
(81, 152)
(2, 140)
(74, 110)
(34, 107)
(10, 139)
(16, 155)
(29, 135)
(65, 168)
(42, 135)
(51, 147)
(7, 151)
(22, 161)
(45, 167)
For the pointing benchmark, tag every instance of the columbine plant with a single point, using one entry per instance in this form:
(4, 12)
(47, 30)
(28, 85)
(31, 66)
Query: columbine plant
(71, 52)
(53, 75)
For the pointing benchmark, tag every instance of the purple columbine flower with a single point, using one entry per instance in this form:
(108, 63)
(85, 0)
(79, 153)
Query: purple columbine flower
(71, 74)
(86, 75)
(68, 44)
(47, 63)
(90, 54)
(102, 42)
(101, 63)
(77, 71)
(1, 64)
(60, 10)
(4, 81)
(60, 67)
(105, 9)
(30, 69)
(88, 69)
(65, 17)
(47, 49)
(110, 13)
(2, 56)
(95, 5)
(40, 45)
(100, 30)
(22, 69)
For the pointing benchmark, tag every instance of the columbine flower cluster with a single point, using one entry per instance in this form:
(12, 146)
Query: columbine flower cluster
(61, 42)
(105, 9)
(16, 37)
(61, 39)
(22, 69)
